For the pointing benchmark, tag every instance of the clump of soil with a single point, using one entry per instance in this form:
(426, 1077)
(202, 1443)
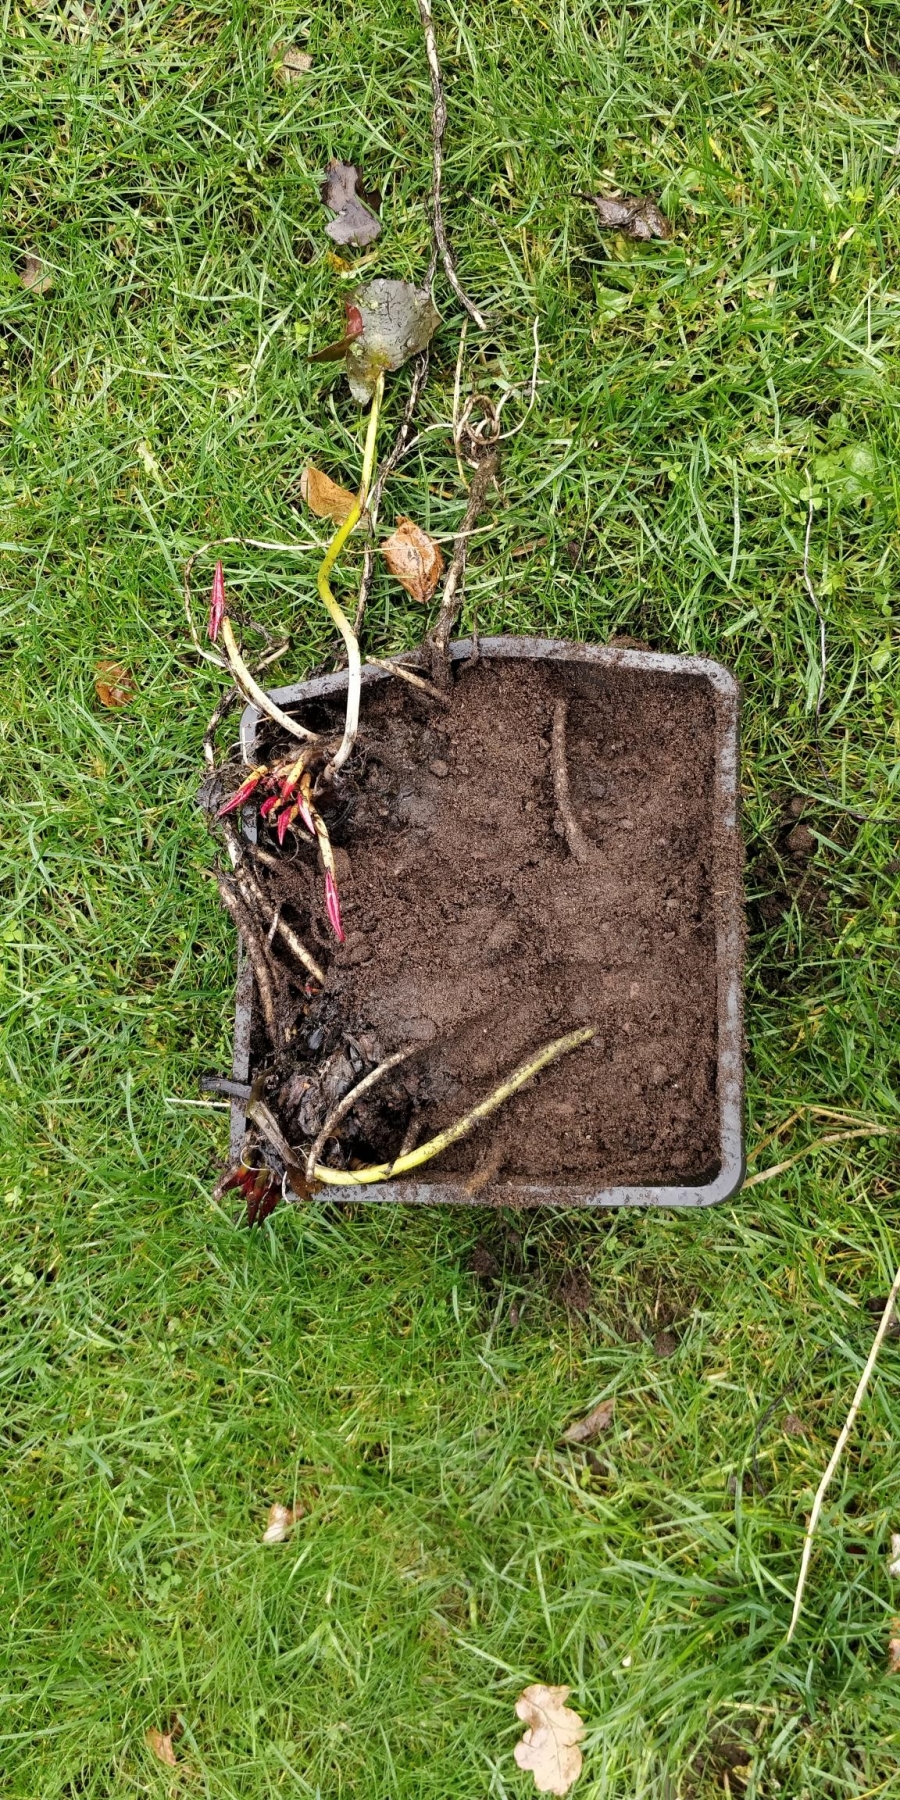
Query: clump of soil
(473, 933)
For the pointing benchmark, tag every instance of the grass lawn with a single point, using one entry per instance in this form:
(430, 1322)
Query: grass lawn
(167, 1376)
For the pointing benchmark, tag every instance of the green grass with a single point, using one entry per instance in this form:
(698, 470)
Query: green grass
(166, 1377)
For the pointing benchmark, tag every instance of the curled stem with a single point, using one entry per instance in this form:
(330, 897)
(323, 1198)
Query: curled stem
(346, 1105)
(434, 1146)
(251, 689)
(354, 665)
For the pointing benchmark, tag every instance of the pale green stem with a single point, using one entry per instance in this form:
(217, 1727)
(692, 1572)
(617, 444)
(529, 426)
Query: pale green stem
(354, 664)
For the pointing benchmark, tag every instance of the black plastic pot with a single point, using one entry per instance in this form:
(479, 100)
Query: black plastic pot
(726, 862)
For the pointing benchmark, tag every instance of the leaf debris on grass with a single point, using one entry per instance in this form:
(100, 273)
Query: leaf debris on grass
(355, 222)
(113, 684)
(549, 1747)
(325, 497)
(280, 1523)
(397, 320)
(585, 1430)
(160, 1743)
(634, 215)
(414, 559)
(35, 275)
(294, 64)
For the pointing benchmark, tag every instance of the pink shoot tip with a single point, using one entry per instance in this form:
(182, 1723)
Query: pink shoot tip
(333, 907)
(243, 793)
(217, 603)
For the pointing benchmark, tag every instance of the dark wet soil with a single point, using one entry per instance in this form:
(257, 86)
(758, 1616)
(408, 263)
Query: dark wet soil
(474, 934)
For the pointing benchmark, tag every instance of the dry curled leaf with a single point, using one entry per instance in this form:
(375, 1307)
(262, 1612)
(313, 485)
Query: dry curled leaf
(635, 215)
(585, 1430)
(324, 497)
(342, 193)
(113, 685)
(396, 321)
(550, 1745)
(414, 559)
(35, 276)
(280, 1523)
(160, 1742)
(294, 64)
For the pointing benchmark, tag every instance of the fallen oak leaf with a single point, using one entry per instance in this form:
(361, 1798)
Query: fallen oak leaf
(583, 1431)
(635, 215)
(35, 276)
(549, 1747)
(356, 222)
(280, 1523)
(324, 497)
(160, 1743)
(414, 560)
(113, 685)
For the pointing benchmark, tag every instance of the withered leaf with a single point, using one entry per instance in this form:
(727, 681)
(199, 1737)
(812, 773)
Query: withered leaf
(35, 276)
(280, 1523)
(113, 685)
(635, 215)
(294, 63)
(549, 1747)
(160, 1742)
(893, 1666)
(414, 559)
(355, 222)
(324, 497)
(585, 1430)
(398, 320)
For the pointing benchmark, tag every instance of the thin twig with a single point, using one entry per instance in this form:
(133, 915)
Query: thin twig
(506, 435)
(457, 388)
(400, 444)
(415, 1158)
(416, 681)
(265, 1121)
(437, 643)
(865, 1378)
(834, 1137)
(438, 127)
(575, 838)
(256, 952)
(346, 1105)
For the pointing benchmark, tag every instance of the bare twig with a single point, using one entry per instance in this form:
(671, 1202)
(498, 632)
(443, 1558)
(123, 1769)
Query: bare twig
(256, 951)
(265, 1121)
(437, 643)
(416, 681)
(833, 1137)
(822, 1489)
(346, 1105)
(438, 127)
(575, 837)
(400, 444)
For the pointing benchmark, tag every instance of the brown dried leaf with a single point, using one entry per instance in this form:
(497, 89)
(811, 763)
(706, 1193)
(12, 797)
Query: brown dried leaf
(324, 497)
(294, 64)
(550, 1745)
(414, 560)
(342, 193)
(160, 1742)
(34, 275)
(585, 1430)
(280, 1523)
(793, 1425)
(113, 685)
(635, 215)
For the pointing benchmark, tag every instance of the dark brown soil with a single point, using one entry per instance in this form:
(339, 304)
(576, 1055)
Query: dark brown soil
(473, 932)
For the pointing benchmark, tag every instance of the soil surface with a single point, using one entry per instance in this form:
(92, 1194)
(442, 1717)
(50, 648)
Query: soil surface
(474, 933)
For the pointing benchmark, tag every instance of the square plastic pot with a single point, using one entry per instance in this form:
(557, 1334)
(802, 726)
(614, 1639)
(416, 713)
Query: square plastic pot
(726, 862)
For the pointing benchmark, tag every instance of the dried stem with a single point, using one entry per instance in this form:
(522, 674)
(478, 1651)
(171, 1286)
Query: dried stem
(416, 681)
(256, 952)
(865, 1378)
(346, 1105)
(437, 643)
(832, 1137)
(438, 127)
(251, 689)
(434, 1146)
(354, 665)
(575, 837)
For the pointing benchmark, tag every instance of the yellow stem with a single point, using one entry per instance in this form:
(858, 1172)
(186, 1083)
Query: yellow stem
(425, 1152)
(354, 664)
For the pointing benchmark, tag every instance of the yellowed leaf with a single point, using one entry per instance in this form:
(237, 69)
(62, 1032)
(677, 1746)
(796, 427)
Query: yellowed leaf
(295, 63)
(324, 497)
(35, 276)
(414, 560)
(280, 1523)
(114, 686)
(585, 1430)
(550, 1745)
(160, 1742)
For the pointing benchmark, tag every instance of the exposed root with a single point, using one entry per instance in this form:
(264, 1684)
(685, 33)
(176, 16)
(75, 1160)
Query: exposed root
(437, 643)
(252, 691)
(415, 1158)
(346, 1105)
(254, 896)
(438, 127)
(486, 1172)
(575, 837)
(256, 951)
(416, 681)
